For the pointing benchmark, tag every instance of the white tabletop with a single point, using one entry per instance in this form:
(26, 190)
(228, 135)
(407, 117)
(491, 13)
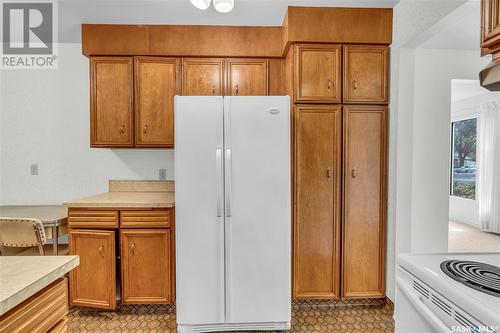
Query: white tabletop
(50, 215)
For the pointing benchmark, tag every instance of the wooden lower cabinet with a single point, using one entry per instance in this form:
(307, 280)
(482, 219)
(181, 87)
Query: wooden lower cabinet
(143, 239)
(93, 282)
(363, 253)
(316, 259)
(46, 311)
(145, 266)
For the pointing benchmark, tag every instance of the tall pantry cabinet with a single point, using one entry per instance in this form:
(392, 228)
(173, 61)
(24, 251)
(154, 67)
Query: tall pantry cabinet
(340, 114)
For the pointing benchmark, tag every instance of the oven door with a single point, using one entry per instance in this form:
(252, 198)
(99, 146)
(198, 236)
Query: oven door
(412, 315)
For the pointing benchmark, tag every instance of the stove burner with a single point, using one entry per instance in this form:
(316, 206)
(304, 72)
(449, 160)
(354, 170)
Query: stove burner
(480, 276)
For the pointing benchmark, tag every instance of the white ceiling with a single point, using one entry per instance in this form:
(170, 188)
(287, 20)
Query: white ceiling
(461, 30)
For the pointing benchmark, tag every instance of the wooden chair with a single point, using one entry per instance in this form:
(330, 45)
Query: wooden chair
(18, 234)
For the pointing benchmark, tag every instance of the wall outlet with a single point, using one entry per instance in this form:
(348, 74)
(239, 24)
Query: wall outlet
(34, 169)
(162, 174)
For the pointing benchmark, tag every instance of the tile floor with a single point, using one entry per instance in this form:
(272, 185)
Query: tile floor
(467, 238)
(307, 317)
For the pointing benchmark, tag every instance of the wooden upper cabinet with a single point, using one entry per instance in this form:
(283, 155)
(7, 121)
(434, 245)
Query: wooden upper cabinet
(93, 282)
(111, 102)
(157, 81)
(490, 25)
(318, 73)
(365, 74)
(202, 77)
(363, 255)
(247, 77)
(146, 266)
(316, 240)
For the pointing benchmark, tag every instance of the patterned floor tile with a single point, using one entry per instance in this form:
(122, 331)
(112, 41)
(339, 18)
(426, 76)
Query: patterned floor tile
(353, 316)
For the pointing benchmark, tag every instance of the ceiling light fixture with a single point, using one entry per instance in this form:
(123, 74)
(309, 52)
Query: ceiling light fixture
(223, 6)
(201, 4)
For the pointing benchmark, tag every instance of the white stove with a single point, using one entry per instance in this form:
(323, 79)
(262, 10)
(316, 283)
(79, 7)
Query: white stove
(448, 293)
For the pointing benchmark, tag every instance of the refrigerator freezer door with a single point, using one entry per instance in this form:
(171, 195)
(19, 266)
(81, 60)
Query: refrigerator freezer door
(199, 210)
(258, 221)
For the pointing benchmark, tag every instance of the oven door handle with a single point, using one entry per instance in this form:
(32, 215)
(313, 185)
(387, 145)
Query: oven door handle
(421, 307)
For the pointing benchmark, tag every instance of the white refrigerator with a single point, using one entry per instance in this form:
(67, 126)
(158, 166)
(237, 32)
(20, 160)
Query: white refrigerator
(233, 213)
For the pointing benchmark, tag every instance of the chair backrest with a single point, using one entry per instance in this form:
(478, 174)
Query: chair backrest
(26, 232)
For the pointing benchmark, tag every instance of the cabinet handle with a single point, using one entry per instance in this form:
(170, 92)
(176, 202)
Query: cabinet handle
(329, 174)
(133, 249)
(329, 84)
(145, 130)
(122, 129)
(213, 89)
(237, 89)
(101, 248)
(354, 173)
(354, 84)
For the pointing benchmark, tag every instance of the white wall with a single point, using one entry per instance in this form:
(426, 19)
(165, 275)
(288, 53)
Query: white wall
(434, 70)
(45, 120)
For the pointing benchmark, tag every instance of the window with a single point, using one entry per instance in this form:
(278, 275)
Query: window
(463, 168)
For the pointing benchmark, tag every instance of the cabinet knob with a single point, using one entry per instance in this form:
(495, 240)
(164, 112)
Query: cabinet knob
(145, 130)
(213, 89)
(132, 247)
(237, 89)
(329, 84)
(122, 129)
(354, 173)
(101, 248)
(354, 84)
(329, 174)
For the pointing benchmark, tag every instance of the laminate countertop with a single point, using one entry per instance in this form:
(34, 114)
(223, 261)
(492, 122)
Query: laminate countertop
(132, 199)
(21, 277)
(130, 194)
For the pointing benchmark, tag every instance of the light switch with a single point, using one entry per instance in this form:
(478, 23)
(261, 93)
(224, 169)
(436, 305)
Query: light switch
(34, 169)
(162, 174)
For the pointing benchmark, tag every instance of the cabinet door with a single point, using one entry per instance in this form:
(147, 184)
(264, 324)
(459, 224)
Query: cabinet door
(490, 16)
(93, 282)
(111, 102)
(202, 77)
(364, 201)
(317, 73)
(246, 77)
(146, 266)
(156, 83)
(365, 74)
(317, 201)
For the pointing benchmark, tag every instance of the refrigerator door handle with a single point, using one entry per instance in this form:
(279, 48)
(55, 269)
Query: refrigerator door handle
(227, 170)
(219, 180)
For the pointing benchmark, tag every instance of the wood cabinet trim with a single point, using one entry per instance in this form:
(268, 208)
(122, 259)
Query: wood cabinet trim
(336, 192)
(138, 60)
(370, 109)
(94, 61)
(96, 219)
(336, 78)
(347, 82)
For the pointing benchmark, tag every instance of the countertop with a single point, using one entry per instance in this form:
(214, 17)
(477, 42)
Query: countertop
(131, 194)
(126, 200)
(21, 277)
(48, 214)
